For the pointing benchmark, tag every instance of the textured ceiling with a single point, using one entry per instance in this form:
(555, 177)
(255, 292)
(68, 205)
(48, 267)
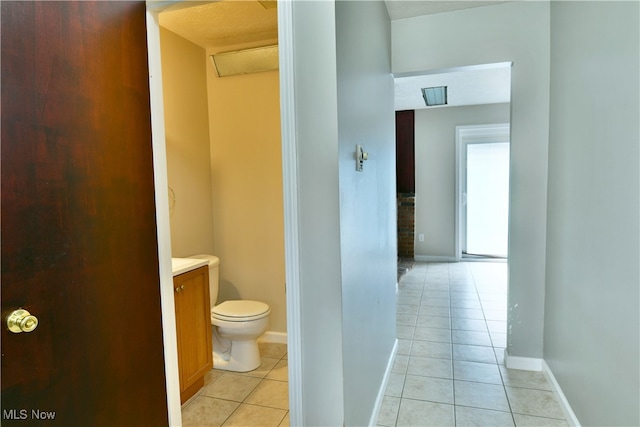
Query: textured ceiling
(224, 25)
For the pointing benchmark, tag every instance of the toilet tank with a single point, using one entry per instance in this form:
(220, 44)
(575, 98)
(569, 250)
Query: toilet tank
(214, 263)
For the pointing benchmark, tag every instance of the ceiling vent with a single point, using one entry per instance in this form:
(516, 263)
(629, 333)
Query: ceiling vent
(435, 95)
(246, 61)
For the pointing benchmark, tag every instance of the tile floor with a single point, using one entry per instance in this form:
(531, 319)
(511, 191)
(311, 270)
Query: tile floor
(256, 398)
(449, 368)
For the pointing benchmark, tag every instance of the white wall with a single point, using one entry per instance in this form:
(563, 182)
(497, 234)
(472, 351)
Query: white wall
(345, 318)
(518, 32)
(593, 251)
(318, 204)
(435, 159)
(367, 202)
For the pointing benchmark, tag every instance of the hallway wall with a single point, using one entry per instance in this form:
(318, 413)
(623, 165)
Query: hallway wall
(367, 202)
(435, 148)
(592, 332)
(346, 276)
(517, 32)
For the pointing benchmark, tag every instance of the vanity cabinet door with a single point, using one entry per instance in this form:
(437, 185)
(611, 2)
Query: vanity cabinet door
(193, 322)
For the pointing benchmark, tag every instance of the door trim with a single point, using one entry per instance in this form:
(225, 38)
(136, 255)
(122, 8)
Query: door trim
(291, 212)
(467, 135)
(162, 216)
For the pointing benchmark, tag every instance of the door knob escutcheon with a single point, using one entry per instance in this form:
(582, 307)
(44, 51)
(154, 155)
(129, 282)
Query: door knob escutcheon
(21, 321)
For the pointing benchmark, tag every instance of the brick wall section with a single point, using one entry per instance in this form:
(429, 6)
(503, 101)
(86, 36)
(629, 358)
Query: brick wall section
(406, 224)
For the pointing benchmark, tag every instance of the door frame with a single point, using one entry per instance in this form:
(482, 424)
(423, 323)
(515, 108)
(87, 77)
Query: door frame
(471, 134)
(291, 212)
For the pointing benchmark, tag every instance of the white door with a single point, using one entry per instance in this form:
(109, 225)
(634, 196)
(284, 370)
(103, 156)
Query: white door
(482, 190)
(487, 199)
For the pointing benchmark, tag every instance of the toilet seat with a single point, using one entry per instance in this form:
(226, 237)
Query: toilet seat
(240, 310)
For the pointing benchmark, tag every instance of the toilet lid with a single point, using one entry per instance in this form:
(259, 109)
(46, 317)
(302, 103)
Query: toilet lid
(236, 309)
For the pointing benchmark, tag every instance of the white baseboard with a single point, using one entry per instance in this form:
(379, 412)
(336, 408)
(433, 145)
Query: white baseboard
(274, 337)
(522, 363)
(429, 258)
(562, 399)
(383, 386)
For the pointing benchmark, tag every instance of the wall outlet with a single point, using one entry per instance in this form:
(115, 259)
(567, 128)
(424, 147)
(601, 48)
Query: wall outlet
(420, 237)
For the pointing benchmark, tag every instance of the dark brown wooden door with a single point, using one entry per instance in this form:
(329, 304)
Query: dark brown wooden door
(79, 246)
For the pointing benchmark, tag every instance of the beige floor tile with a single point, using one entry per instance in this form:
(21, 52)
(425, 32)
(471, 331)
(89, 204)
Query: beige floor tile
(395, 385)
(404, 346)
(407, 309)
(231, 386)
(411, 293)
(400, 364)
(496, 315)
(272, 350)
(479, 395)
(407, 301)
(465, 303)
(261, 371)
(477, 372)
(251, 415)
(467, 313)
(496, 326)
(482, 417)
(471, 338)
(498, 340)
(468, 324)
(274, 394)
(433, 321)
(424, 414)
(430, 367)
(206, 411)
(525, 379)
(406, 319)
(285, 421)
(529, 421)
(389, 411)
(434, 302)
(538, 403)
(472, 295)
(431, 389)
(473, 353)
(435, 294)
(212, 375)
(432, 334)
(433, 311)
(431, 349)
(280, 371)
(405, 332)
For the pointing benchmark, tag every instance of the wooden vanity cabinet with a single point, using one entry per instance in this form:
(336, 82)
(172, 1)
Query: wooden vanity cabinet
(193, 324)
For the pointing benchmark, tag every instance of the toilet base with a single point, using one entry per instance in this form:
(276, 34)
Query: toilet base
(245, 356)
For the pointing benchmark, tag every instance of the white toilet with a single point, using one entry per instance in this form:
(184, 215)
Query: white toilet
(237, 324)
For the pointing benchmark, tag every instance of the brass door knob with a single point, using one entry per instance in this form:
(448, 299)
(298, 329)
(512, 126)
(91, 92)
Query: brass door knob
(21, 321)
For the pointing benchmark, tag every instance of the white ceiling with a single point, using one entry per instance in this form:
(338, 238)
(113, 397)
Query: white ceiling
(222, 26)
(474, 85)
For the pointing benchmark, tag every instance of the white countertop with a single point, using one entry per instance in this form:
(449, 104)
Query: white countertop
(183, 265)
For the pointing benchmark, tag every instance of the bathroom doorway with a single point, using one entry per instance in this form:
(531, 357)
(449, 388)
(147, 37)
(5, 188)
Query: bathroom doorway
(223, 149)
